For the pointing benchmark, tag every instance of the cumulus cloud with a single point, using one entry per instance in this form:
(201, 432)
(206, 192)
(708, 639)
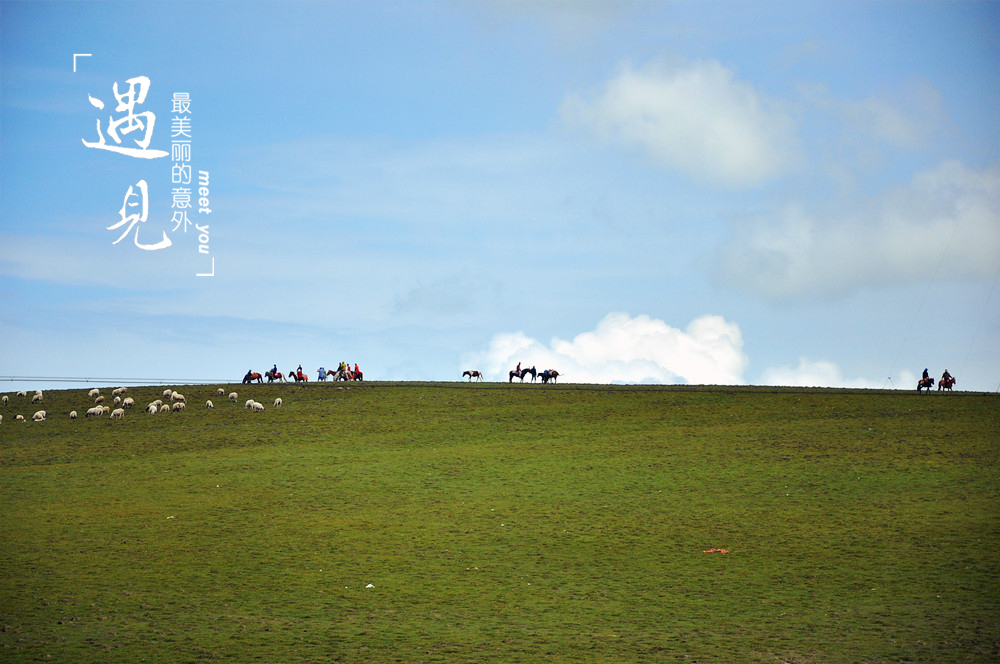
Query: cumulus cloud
(944, 223)
(699, 119)
(823, 373)
(623, 349)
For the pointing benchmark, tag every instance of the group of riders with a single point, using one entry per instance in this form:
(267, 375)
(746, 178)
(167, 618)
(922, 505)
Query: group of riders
(343, 372)
(926, 382)
(546, 376)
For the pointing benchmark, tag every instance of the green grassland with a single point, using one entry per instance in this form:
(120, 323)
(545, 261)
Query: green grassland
(499, 523)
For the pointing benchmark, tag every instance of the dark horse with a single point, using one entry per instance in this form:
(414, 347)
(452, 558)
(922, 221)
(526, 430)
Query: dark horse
(274, 375)
(251, 377)
(549, 374)
(925, 384)
(945, 383)
(298, 376)
(524, 372)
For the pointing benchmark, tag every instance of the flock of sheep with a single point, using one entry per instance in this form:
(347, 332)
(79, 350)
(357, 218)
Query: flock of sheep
(171, 402)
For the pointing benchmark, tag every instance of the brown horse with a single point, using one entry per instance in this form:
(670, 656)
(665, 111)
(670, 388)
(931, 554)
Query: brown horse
(945, 384)
(472, 374)
(549, 374)
(251, 377)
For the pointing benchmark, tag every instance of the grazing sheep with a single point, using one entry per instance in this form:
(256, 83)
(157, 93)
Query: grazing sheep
(221, 392)
(277, 402)
(37, 398)
(157, 403)
(1, 419)
(258, 407)
(5, 399)
(22, 393)
(19, 418)
(118, 401)
(179, 406)
(165, 408)
(93, 393)
(38, 417)
(167, 393)
(105, 410)
(249, 404)
(233, 397)
(94, 412)
(177, 396)
(99, 400)
(72, 414)
(151, 409)
(209, 404)
(118, 413)
(118, 391)
(128, 402)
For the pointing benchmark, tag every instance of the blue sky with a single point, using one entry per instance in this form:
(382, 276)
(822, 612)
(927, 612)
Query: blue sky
(689, 192)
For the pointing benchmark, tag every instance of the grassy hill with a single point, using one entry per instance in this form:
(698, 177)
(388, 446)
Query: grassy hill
(419, 522)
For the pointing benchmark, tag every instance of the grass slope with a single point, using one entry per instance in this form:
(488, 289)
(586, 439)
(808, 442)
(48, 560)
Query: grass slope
(504, 523)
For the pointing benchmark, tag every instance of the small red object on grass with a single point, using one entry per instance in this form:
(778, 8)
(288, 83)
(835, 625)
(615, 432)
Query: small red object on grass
(713, 550)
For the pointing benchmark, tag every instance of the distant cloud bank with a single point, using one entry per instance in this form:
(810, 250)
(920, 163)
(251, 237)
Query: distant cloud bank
(623, 349)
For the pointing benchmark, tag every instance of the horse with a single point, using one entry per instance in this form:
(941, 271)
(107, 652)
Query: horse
(945, 384)
(925, 383)
(472, 374)
(298, 376)
(549, 374)
(274, 375)
(524, 372)
(358, 375)
(251, 377)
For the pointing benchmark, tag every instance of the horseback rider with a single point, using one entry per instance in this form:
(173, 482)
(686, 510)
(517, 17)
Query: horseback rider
(926, 375)
(518, 370)
(274, 370)
(946, 376)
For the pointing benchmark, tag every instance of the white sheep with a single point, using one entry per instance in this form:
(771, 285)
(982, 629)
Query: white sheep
(19, 418)
(177, 396)
(233, 397)
(258, 407)
(277, 402)
(105, 410)
(179, 406)
(221, 392)
(249, 404)
(209, 404)
(157, 403)
(93, 393)
(22, 393)
(118, 413)
(118, 391)
(118, 401)
(151, 409)
(165, 408)
(37, 398)
(1, 419)
(94, 412)
(99, 399)
(38, 416)
(5, 399)
(167, 392)
(128, 402)
(72, 414)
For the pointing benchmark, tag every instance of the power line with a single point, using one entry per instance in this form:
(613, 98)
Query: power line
(118, 381)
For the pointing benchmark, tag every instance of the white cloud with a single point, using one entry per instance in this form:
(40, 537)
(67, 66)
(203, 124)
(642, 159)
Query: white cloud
(945, 223)
(698, 119)
(623, 349)
(823, 373)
